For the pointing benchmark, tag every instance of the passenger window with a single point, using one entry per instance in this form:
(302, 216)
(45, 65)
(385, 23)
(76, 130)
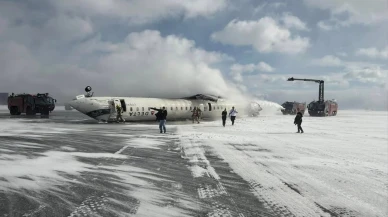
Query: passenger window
(172, 108)
(190, 109)
(214, 107)
(137, 109)
(181, 108)
(176, 108)
(186, 107)
(130, 109)
(142, 109)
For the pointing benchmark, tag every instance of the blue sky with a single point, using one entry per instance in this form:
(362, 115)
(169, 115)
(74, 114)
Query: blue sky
(178, 48)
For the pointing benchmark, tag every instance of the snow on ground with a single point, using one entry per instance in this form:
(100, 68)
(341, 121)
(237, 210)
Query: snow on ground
(339, 166)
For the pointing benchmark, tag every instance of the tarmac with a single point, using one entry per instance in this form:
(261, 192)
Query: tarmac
(71, 165)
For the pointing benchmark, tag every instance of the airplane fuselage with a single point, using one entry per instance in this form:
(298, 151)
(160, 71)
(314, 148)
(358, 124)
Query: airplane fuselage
(139, 109)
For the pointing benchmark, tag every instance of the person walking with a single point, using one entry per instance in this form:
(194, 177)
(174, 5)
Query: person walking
(298, 121)
(199, 114)
(119, 118)
(195, 115)
(161, 116)
(233, 114)
(224, 114)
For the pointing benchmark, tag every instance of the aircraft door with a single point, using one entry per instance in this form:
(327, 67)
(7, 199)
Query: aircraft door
(112, 106)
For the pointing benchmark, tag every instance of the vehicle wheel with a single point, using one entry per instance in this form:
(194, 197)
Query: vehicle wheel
(45, 112)
(13, 111)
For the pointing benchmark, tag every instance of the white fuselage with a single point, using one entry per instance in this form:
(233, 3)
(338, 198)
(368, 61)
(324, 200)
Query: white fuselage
(139, 109)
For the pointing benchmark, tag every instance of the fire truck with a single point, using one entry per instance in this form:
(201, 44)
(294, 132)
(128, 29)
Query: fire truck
(321, 107)
(291, 108)
(31, 104)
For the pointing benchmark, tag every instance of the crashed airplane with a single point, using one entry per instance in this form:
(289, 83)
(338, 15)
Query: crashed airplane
(139, 109)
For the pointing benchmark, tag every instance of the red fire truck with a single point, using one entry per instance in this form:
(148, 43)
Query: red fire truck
(31, 104)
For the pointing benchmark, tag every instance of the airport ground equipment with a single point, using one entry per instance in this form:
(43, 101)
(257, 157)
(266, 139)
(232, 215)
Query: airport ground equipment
(291, 108)
(31, 104)
(320, 107)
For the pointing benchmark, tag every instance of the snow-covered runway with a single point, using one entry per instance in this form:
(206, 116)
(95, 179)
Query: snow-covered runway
(68, 165)
(339, 167)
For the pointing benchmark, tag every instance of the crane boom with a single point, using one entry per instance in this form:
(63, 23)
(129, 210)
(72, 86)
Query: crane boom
(321, 86)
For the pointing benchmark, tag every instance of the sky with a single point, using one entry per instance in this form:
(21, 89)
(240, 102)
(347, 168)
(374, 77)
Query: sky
(170, 48)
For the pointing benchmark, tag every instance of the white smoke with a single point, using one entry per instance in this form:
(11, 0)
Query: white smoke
(249, 102)
(268, 107)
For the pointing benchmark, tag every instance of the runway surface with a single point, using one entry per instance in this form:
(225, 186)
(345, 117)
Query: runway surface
(70, 165)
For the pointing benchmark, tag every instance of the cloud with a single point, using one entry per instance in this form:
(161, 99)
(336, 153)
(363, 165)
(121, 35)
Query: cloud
(141, 11)
(345, 13)
(237, 70)
(291, 21)
(373, 52)
(355, 71)
(265, 35)
(61, 47)
(266, 5)
(342, 54)
(324, 26)
(373, 75)
(352, 72)
(328, 60)
(143, 65)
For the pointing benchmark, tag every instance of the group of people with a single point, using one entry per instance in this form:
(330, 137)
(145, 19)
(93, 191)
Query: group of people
(161, 116)
(232, 115)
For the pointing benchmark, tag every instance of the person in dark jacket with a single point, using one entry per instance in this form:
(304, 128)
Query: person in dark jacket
(298, 121)
(224, 114)
(161, 116)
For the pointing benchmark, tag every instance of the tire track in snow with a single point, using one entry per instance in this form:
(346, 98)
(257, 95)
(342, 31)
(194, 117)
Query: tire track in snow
(276, 195)
(314, 185)
(90, 206)
(303, 177)
(194, 153)
(307, 180)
